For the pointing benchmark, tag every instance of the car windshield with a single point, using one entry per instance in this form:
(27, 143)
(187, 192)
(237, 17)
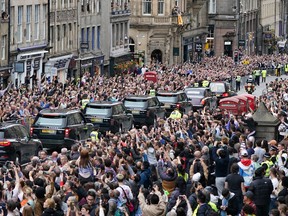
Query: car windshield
(1, 134)
(217, 87)
(129, 103)
(167, 98)
(50, 120)
(191, 92)
(99, 110)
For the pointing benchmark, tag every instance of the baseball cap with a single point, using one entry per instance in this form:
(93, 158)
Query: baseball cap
(244, 153)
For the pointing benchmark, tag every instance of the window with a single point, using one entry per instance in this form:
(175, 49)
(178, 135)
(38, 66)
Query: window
(19, 22)
(28, 22)
(44, 15)
(82, 34)
(98, 6)
(160, 7)
(176, 2)
(98, 37)
(52, 34)
(3, 8)
(93, 38)
(88, 6)
(58, 33)
(212, 7)
(36, 29)
(88, 35)
(147, 4)
(12, 21)
(3, 47)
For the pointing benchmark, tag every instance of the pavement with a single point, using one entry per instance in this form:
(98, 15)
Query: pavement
(259, 89)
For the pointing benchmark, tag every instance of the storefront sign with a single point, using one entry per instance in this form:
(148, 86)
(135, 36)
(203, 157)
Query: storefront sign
(28, 65)
(37, 63)
(87, 62)
(24, 57)
(241, 43)
(198, 47)
(84, 45)
(19, 67)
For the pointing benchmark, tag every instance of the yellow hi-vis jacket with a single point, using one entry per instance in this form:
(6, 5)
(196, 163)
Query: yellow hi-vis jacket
(175, 114)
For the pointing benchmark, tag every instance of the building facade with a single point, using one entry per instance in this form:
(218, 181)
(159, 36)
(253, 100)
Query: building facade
(167, 31)
(233, 25)
(4, 44)
(273, 20)
(63, 28)
(94, 46)
(119, 34)
(29, 40)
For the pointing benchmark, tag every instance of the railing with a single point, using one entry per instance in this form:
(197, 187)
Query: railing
(167, 20)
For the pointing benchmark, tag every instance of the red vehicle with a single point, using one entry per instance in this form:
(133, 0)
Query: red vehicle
(244, 105)
(231, 104)
(251, 101)
(151, 75)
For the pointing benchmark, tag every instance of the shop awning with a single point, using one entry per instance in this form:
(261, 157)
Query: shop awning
(61, 62)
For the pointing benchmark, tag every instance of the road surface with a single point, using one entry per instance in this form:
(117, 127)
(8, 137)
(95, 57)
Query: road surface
(262, 86)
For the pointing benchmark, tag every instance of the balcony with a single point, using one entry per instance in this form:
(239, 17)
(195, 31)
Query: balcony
(196, 5)
(120, 10)
(167, 20)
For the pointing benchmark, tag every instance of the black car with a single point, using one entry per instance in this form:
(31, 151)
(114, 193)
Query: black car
(199, 96)
(109, 116)
(58, 128)
(221, 89)
(145, 109)
(175, 99)
(16, 144)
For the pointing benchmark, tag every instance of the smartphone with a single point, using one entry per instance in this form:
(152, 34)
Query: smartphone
(72, 206)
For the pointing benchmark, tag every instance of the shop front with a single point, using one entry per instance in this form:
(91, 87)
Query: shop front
(58, 66)
(93, 65)
(121, 64)
(27, 68)
(4, 76)
(187, 49)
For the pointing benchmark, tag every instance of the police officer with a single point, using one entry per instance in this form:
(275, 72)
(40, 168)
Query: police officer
(286, 68)
(205, 83)
(175, 114)
(250, 80)
(264, 75)
(267, 164)
(238, 82)
(84, 101)
(257, 77)
(152, 91)
(94, 135)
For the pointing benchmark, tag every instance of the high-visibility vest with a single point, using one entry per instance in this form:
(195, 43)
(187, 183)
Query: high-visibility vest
(269, 165)
(264, 73)
(238, 79)
(84, 103)
(152, 92)
(196, 84)
(94, 136)
(211, 204)
(286, 68)
(205, 83)
(175, 115)
(257, 73)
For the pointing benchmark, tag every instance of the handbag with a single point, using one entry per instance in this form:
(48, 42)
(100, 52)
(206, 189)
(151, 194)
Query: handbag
(129, 204)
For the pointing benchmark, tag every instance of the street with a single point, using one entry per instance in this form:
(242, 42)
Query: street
(259, 89)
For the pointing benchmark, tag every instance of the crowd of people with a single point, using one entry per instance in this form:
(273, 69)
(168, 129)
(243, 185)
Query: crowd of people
(205, 163)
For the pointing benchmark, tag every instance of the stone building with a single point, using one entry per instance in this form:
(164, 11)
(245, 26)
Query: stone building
(28, 39)
(119, 35)
(165, 31)
(94, 30)
(4, 44)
